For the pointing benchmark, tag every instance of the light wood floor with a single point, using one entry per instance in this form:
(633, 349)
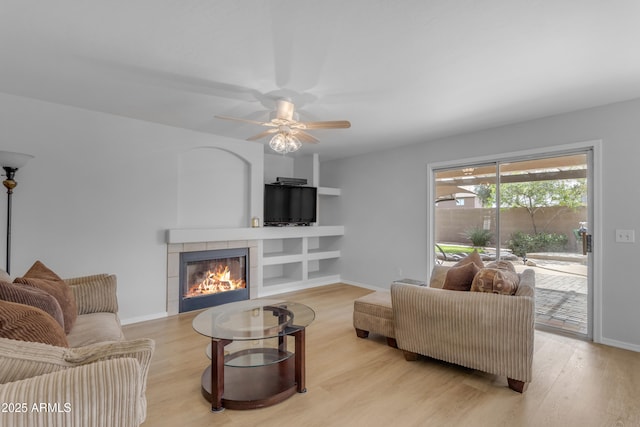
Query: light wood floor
(363, 382)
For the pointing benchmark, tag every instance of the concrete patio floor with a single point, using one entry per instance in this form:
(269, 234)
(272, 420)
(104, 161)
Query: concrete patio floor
(561, 295)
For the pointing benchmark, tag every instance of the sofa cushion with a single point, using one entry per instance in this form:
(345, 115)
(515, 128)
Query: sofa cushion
(438, 274)
(32, 296)
(28, 359)
(95, 328)
(25, 323)
(41, 277)
(96, 294)
(495, 281)
(460, 278)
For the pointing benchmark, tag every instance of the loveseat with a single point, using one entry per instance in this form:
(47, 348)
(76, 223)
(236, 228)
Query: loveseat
(92, 377)
(486, 331)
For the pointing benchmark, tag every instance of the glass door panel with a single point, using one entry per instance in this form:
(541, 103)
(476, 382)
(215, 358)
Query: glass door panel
(532, 212)
(543, 210)
(465, 218)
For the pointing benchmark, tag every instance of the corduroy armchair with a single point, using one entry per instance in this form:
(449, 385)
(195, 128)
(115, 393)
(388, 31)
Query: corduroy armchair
(488, 332)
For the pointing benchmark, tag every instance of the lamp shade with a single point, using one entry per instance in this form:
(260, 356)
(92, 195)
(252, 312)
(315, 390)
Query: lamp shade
(13, 160)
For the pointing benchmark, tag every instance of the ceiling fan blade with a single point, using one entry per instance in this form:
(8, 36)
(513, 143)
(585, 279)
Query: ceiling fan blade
(237, 119)
(335, 124)
(262, 134)
(305, 137)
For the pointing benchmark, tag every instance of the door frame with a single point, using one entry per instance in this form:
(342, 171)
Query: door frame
(594, 212)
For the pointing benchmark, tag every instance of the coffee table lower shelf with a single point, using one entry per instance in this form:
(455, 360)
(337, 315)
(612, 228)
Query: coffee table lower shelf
(256, 386)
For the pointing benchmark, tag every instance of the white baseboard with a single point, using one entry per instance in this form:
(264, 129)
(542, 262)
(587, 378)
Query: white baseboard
(620, 344)
(296, 286)
(364, 285)
(144, 318)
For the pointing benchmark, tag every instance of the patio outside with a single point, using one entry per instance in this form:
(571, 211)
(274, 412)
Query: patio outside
(538, 216)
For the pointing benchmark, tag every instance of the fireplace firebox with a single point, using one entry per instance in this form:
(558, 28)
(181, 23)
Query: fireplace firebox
(213, 277)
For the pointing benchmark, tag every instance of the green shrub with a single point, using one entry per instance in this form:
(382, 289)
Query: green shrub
(522, 243)
(479, 237)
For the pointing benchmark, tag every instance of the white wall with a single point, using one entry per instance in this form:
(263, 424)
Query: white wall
(276, 165)
(100, 193)
(214, 186)
(383, 203)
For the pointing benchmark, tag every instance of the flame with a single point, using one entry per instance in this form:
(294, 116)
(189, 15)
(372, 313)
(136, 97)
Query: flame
(216, 281)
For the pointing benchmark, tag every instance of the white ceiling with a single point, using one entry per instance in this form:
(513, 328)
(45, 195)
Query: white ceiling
(401, 71)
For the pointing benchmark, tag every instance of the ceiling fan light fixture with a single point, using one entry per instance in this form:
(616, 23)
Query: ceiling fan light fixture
(277, 143)
(284, 125)
(293, 143)
(284, 143)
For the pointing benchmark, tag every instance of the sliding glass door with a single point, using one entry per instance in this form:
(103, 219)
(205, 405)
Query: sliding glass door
(533, 212)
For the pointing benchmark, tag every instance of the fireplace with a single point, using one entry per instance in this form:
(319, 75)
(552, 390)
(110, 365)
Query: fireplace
(213, 277)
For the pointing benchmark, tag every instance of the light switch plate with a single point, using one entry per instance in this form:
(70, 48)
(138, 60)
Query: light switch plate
(625, 236)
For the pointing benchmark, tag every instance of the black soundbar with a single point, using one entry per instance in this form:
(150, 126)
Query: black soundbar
(290, 181)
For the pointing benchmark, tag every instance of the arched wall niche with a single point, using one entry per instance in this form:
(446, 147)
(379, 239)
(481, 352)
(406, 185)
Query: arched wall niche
(214, 188)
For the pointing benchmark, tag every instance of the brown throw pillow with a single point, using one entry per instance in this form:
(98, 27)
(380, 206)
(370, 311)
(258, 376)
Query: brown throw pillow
(460, 278)
(495, 281)
(4, 276)
(502, 265)
(32, 296)
(41, 277)
(473, 257)
(25, 323)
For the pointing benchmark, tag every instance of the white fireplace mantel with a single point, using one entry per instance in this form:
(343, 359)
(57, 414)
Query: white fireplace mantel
(187, 235)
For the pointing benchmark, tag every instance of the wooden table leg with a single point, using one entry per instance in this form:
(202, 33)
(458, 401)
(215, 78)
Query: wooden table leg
(300, 375)
(282, 339)
(217, 373)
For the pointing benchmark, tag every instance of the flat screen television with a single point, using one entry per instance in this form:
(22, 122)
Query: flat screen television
(289, 205)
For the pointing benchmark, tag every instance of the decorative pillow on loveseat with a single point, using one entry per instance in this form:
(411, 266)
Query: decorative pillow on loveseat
(32, 296)
(25, 323)
(502, 265)
(460, 276)
(495, 281)
(41, 277)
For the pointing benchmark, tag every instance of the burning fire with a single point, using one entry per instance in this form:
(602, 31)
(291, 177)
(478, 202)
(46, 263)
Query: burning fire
(214, 282)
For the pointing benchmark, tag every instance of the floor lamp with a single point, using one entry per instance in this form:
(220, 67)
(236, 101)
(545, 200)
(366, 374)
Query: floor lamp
(11, 162)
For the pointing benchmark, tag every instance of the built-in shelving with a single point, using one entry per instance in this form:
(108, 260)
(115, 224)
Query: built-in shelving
(291, 261)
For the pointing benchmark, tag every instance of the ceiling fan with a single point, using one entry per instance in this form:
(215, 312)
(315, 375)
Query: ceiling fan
(288, 132)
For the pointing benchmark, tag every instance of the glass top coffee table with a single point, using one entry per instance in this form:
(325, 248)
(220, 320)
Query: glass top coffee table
(253, 334)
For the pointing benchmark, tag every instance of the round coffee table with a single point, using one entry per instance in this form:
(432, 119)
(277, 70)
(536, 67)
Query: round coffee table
(250, 364)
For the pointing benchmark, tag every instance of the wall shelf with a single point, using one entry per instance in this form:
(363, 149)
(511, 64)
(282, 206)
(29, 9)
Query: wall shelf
(328, 191)
(319, 254)
(294, 261)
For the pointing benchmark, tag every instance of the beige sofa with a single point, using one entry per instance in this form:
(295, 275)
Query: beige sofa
(99, 380)
(483, 331)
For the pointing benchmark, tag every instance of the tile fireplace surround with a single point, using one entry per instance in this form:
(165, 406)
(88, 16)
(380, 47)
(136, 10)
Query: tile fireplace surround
(173, 265)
